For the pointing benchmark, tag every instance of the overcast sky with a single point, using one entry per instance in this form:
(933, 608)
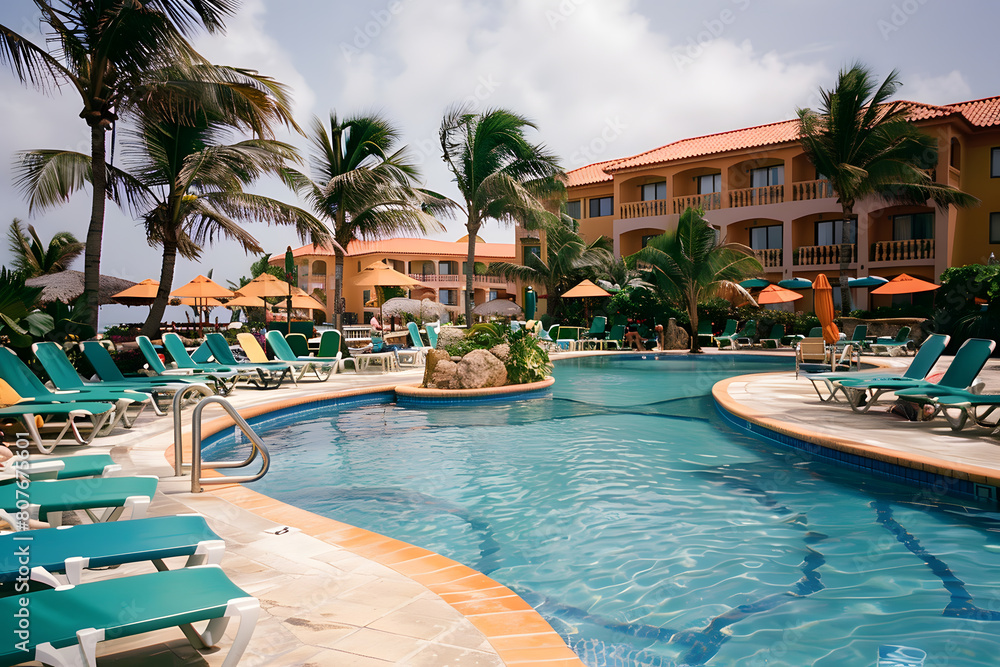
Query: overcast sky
(601, 78)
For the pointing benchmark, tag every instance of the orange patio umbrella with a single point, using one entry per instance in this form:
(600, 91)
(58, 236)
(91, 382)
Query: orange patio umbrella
(905, 284)
(823, 304)
(776, 294)
(242, 301)
(201, 289)
(585, 289)
(142, 294)
(265, 285)
(380, 274)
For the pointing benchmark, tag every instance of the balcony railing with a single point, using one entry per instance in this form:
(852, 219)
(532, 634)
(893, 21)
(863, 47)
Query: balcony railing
(806, 190)
(769, 258)
(770, 194)
(644, 209)
(895, 251)
(706, 202)
(823, 254)
(458, 279)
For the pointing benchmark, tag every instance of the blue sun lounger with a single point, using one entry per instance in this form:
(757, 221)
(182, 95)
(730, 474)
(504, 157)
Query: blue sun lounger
(67, 623)
(321, 368)
(26, 411)
(72, 549)
(47, 500)
(70, 467)
(964, 368)
(922, 363)
(224, 379)
(105, 367)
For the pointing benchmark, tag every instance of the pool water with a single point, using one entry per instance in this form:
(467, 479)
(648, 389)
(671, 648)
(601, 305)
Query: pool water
(649, 533)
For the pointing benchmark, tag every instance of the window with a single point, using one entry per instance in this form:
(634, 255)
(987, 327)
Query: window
(710, 183)
(494, 295)
(765, 238)
(601, 206)
(535, 250)
(994, 227)
(765, 176)
(448, 297)
(574, 209)
(995, 163)
(831, 232)
(912, 226)
(653, 191)
(444, 268)
(366, 296)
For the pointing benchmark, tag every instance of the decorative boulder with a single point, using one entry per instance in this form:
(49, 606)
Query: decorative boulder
(433, 358)
(448, 336)
(479, 369)
(675, 338)
(445, 376)
(501, 352)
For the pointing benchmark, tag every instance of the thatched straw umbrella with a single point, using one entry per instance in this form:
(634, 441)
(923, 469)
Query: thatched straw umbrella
(66, 286)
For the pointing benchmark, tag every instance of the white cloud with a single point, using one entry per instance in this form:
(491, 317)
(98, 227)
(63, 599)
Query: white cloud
(597, 77)
(946, 89)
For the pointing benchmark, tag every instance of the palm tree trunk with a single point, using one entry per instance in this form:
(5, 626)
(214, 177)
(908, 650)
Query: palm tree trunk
(95, 232)
(693, 317)
(338, 288)
(473, 229)
(845, 262)
(151, 327)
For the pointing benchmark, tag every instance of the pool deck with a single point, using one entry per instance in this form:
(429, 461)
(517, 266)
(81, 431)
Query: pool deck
(335, 594)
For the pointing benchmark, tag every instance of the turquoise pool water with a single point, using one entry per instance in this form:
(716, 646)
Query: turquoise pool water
(649, 533)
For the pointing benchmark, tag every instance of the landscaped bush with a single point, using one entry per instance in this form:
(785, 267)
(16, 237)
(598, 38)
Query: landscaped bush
(522, 355)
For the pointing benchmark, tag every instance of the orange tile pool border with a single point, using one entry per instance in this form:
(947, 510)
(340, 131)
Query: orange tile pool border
(930, 464)
(516, 631)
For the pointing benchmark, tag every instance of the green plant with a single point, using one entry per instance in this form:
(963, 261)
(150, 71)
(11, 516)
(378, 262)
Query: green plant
(527, 361)
(482, 336)
(20, 322)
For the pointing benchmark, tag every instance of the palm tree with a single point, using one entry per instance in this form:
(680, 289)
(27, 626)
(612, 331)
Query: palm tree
(184, 181)
(501, 175)
(866, 146)
(364, 186)
(689, 265)
(33, 258)
(568, 260)
(103, 49)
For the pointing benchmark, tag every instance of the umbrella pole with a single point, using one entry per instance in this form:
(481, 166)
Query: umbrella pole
(288, 311)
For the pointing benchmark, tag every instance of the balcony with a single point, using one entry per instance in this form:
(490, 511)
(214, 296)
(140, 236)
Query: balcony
(706, 202)
(806, 190)
(823, 255)
(770, 258)
(769, 194)
(457, 279)
(901, 251)
(644, 209)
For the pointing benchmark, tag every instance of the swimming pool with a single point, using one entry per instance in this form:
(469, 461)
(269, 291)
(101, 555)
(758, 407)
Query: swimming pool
(645, 530)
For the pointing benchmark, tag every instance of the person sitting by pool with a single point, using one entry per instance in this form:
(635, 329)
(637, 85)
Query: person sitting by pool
(374, 324)
(632, 337)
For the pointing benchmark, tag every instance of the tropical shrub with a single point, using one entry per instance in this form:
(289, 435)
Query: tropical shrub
(527, 361)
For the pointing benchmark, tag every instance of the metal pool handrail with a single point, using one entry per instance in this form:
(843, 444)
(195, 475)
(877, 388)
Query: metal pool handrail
(197, 481)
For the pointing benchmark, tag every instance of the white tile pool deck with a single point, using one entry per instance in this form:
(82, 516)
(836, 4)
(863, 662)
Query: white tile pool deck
(326, 602)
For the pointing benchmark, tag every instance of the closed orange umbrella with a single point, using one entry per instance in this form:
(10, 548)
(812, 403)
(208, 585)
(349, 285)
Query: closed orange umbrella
(905, 284)
(823, 304)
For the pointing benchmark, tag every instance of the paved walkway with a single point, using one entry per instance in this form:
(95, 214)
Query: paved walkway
(782, 400)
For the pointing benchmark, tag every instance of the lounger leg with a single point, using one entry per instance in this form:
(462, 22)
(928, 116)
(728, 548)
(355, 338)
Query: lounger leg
(247, 610)
(84, 652)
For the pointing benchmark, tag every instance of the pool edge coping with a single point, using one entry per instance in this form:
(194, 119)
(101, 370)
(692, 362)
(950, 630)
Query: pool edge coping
(919, 462)
(515, 630)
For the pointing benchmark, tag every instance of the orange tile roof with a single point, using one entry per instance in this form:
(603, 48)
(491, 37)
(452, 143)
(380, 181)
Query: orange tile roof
(592, 173)
(978, 113)
(750, 137)
(406, 246)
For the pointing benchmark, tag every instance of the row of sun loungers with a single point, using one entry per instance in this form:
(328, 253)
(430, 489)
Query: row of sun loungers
(955, 395)
(56, 616)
